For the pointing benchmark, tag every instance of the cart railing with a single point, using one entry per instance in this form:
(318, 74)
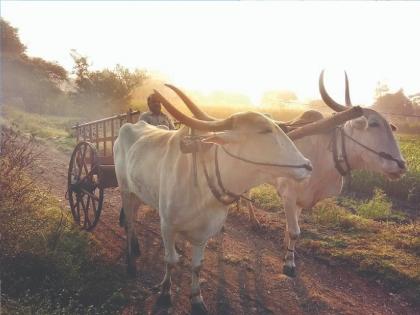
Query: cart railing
(103, 132)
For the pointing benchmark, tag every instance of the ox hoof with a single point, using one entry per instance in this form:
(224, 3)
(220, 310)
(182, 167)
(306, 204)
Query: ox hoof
(131, 270)
(164, 300)
(289, 271)
(199, 309)
(255, 224)
(135, 247)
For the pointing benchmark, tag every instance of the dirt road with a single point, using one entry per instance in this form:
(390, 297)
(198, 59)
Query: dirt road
(242, 268)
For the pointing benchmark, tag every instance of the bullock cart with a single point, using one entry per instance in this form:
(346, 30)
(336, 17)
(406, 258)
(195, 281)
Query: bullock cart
(91, 167)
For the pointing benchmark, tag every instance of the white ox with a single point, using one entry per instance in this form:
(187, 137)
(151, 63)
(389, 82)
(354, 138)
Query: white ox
(368, 143)
(150, 168)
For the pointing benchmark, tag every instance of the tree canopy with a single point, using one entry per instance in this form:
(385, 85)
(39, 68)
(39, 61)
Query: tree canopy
(107, 90)
(34, 81)
(44, 87)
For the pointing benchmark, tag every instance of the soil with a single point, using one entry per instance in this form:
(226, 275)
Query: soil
(242, 271)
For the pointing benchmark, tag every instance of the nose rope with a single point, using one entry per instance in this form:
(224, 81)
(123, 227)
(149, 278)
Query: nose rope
(338, 166)
(381, 154)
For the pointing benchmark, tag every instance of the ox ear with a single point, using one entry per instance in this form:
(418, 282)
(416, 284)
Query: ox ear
(393, 127)
(221, 138)
(360, 123)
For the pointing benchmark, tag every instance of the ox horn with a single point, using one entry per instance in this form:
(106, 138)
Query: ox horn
(348, 100)
(218, 125)
(197, 112)
(326, 124)
(283, 126)
(327, 99)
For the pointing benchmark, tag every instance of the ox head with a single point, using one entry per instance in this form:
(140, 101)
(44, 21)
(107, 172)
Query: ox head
(249, 135)
(373, 131)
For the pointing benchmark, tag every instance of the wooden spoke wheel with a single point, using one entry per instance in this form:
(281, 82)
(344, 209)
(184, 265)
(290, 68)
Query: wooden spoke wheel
(84, 193)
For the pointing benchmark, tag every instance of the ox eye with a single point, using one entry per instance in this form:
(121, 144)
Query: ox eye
(373, 124)
(266, 131)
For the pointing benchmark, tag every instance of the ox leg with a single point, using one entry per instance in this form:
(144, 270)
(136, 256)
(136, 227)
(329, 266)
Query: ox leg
(197, 304)
(293, 233)
(171, 260)
(129, 212)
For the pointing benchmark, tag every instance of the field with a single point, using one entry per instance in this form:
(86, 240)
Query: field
(372, 229)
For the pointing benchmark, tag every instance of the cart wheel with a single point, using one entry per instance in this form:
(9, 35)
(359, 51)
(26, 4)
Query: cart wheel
(85, 195)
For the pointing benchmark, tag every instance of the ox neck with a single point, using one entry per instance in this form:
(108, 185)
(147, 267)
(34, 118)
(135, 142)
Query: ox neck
(228, 178)
(239, 176)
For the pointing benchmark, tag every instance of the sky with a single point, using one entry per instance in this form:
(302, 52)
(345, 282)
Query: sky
(245, 47)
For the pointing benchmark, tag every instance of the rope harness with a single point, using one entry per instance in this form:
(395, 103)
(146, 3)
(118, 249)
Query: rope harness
(193, 144)
(344, 171)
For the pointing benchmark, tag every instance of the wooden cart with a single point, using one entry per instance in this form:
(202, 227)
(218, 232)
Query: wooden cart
(92, 168)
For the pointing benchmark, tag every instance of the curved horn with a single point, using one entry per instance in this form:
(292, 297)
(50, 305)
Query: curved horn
(326, 124)
(326, 98)
(348, 100)
(283, 125)
(218, 125)
(197, 112)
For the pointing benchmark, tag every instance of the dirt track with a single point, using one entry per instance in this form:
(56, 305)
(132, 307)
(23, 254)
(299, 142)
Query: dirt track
(242, 268)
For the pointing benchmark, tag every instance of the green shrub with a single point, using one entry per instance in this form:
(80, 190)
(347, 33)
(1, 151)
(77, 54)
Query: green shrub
(378, 208)
(328, 214)
(266, 198)
(408, 187)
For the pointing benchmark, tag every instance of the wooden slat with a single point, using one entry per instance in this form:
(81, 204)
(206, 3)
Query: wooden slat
(105, 119)
(104, 124)
(105, 160)
(97, 136)
(90, 133)
(104, 139)
(112, 136)
(91, 130)
(77, 133)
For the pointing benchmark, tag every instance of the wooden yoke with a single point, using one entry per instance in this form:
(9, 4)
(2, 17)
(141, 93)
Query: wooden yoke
(326, 124)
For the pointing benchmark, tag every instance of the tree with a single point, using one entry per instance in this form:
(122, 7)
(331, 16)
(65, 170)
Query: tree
(381, 89)
(11, 45)
(33, 80)
(394, 103)
(104, 91)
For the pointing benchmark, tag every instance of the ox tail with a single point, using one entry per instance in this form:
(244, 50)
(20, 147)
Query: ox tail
(122, 218)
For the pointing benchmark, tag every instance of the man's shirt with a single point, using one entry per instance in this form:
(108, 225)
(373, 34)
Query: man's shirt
(156, 120)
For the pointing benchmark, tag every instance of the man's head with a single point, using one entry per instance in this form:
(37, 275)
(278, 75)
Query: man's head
(154, 104)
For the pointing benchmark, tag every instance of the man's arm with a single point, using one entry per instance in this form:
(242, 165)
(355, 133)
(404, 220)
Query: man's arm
(145, 117)
(169, 121)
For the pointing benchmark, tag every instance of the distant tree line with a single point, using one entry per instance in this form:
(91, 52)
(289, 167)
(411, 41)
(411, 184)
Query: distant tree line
(46, 87)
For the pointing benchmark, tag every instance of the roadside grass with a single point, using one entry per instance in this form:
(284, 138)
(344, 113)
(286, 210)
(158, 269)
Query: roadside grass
(371, 236)
(380, 248)
(48, 265)
(55, 129)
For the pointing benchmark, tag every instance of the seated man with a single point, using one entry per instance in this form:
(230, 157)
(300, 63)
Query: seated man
(155, 116)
